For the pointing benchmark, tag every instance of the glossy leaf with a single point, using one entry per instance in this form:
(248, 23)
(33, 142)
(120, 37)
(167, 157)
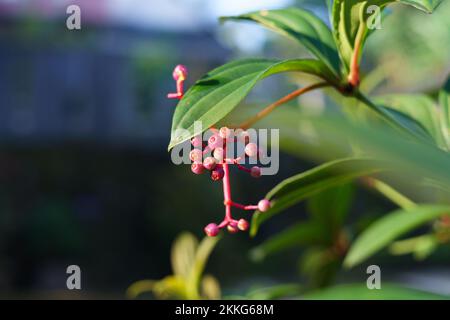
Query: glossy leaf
(222, 89)
(388, 228)
(299, 187)
(301, 25)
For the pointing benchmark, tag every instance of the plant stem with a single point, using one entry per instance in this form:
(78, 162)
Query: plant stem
(390, 193)
(294, 94)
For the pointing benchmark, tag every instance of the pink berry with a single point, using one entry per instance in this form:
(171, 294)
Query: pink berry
(211, 230)
(196, 155)
(251, 150)
(218, 154)
(242, 135)
(209, 163)
(243, 224)
(255, 172)
(196, 141)
(215, 141)
(263, 205)
(225, 133)
(180, 71)
(217, 174)
(232, 228)
(197, 168)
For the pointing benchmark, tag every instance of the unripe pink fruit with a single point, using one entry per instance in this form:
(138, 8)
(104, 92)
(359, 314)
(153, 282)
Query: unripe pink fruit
(251, 150)
(242, 135)
(197, 168)
(209, 163)
(263, 205)
(196, 141)
(196, 155)
(225, 133)
(215, 141)
(219, 154)
(180, 71)
(217, 174)
(255, 172)
(232, 229)
(243, 224)
(212, 230)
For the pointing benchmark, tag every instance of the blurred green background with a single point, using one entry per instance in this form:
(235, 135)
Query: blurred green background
(85, 177)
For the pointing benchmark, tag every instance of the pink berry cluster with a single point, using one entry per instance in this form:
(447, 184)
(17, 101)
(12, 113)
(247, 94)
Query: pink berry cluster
(211, 157)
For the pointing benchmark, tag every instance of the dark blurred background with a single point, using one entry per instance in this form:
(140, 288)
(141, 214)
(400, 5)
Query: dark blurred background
(85, 177)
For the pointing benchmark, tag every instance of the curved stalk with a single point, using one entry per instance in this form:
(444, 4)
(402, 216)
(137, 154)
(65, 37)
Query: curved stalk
(294, 94)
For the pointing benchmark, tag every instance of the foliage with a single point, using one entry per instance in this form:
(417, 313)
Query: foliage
(187, 281)
(406, 136)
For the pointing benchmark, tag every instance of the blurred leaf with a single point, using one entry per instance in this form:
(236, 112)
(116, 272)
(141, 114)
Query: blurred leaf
(421, 108)
(201, 257)
(222, 89)
(421, 246)
(170, 287)
(320, 265)
(210, 288)
(388, 228)
(444, 101)
(299, 187)
(300, 25)
(183, 254)
(361, 292)
(303, 233)
(274, 292)
(331, 206)
(139, 287)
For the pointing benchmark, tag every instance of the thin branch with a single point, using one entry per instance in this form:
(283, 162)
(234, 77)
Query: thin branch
(294, 94)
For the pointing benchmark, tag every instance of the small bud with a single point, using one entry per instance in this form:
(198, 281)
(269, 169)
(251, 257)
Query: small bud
(243, 224)
(263, 205)
(196, 155)
(209, 163)
(242, 135)
(217, 174)
(215, 141)
(251, 150)
(255, 172)
(180, 72)
(232, 228)
(225, 133)
(196, 141)
(197, 168)
(218, 154)
(212, 230)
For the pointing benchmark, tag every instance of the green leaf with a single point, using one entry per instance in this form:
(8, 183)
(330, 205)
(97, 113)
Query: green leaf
(419, 107)
(349, 20)
(299, 187)
(222, 89)
(183, 254)
(300, 25)
(388, 228)
(361, 292)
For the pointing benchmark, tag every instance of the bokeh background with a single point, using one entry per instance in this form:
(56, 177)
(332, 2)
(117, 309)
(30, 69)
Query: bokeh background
(85, 177)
